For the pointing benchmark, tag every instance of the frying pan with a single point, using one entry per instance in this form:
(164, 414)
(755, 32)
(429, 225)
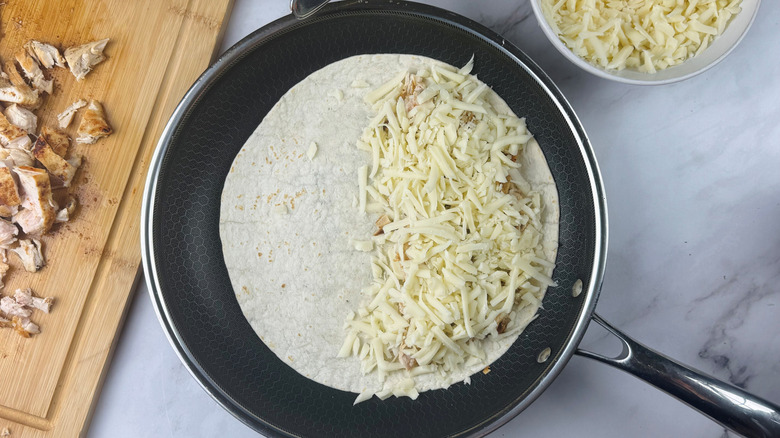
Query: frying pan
(191, 291)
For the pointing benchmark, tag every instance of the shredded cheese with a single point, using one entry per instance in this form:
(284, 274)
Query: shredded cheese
(644, 35)
(457, 253)
(312, 151)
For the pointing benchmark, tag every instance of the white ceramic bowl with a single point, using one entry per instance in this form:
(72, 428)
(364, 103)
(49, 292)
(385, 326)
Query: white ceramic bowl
(718, 49)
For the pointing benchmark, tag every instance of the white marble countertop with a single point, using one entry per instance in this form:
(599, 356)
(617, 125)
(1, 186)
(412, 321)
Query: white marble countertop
(692, 175)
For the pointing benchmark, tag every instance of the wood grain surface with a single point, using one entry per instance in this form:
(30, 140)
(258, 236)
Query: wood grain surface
(158, 48)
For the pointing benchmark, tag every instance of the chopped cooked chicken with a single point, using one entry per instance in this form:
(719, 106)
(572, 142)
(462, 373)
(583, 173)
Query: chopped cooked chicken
(46, 54)
(10, 307)
(93, 124)
(502, 322)
(58, 140)
(21, 117)
(29, 251)
(24, 326)
(66, 213)
(11, 136)
(13, 89)
(65, 117)
(43, 304)
(25, 297)
(381, 222)
(82, 58)
(34, 73)
(411, 88)
(8, 233)
(19, 308)
(40, 209)
(16, 157)
(9, 200)
(407, 361)
(63, 170)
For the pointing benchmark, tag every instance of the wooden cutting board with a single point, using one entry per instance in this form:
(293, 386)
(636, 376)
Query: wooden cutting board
(49, 383)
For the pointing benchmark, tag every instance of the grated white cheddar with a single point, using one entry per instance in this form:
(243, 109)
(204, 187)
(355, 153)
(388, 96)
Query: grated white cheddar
(363, 245)
(644, 35)
(458, 251)
(312, 151)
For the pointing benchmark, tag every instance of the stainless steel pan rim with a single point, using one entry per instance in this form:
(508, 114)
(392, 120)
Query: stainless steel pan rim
(728, 405)
(723, 403)
(233, 55)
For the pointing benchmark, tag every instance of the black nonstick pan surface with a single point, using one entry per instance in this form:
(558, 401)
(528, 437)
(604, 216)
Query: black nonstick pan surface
(183, 254)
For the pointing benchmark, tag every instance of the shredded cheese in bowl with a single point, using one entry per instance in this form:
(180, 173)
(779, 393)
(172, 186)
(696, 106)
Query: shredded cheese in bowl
(643, 35)
(457, 251)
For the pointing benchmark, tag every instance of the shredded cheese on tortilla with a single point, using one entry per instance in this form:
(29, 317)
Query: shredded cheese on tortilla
(312, 151)
(458, 250)
(645, 35)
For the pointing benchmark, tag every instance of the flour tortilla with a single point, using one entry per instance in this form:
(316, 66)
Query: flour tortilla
(286, 222)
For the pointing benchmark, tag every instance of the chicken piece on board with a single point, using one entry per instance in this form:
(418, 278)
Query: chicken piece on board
(46, 54)
(64, 118)
(67, 211)
(39, 209)
(62, 170)
(8, 233)
(34, 73)
(82, 58)
(58, 140)
(29, 252)
(13, 89)
(21, 117)
(11, 136)
(16, 157)
(24, 326)
(25, 297)
(9, 198)
(10, 307)
(93, 124)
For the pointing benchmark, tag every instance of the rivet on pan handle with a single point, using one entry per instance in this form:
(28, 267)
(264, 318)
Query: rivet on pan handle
(728, 405)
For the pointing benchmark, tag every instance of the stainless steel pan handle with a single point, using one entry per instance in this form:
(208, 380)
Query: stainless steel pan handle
(306, 8)
(728, 405)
